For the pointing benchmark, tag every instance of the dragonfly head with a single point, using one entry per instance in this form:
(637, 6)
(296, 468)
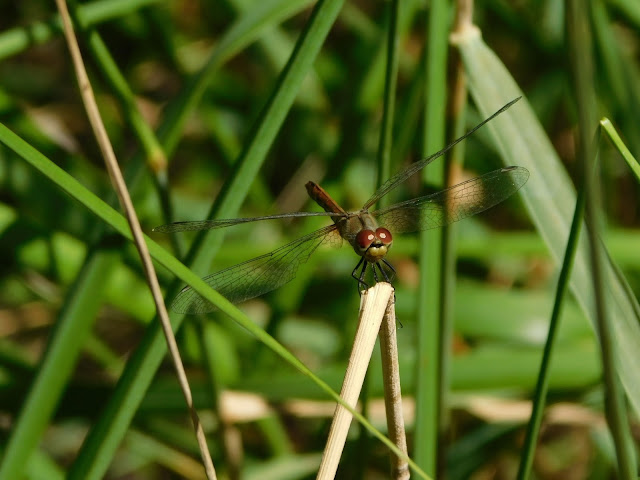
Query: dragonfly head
(373, 246)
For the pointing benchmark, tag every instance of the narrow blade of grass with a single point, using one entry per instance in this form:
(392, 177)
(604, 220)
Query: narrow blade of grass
(16, 40)
(583, 70)
(621, 147)
(542, 385)
(431, 345)
(549, 196)
(73, 327)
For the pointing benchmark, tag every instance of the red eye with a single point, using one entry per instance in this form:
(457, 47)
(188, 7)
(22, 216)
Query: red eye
(384, 235)
(365, 238)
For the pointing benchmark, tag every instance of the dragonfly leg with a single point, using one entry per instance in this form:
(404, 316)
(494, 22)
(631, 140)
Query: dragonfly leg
(388, 278)
(362, 285)
(375, 274)
(382, 272)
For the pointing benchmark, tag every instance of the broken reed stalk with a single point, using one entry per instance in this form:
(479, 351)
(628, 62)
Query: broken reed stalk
(374, 304)
(392, 392)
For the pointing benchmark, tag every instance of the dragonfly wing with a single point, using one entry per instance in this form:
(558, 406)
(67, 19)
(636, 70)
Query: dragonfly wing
(412, 169)
(256, 276)
(452, 204)
(194, 226)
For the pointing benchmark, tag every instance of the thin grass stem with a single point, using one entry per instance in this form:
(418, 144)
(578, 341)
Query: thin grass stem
(542, 384)
(583, 73)
(390, 80)
(430, 351)
(621, 147)
(119, 185)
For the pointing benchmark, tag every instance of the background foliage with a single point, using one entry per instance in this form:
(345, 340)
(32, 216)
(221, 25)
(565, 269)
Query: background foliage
(202, 75)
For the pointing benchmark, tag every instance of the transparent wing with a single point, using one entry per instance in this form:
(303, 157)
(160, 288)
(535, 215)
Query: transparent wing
(455, 203)
(256, 276)
(412, 169)
(197, 225)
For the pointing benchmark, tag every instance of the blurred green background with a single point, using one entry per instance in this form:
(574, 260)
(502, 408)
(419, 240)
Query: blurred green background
(201, 74)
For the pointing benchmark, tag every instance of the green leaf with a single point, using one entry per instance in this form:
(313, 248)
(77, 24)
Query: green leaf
(550, 197)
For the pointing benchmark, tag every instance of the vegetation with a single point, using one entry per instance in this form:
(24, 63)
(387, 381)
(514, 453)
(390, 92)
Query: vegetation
(226, 109)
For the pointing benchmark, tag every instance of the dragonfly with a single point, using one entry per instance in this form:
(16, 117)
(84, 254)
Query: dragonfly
(370, 233)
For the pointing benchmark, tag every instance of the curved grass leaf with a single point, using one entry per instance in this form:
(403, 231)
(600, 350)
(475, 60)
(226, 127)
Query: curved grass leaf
(550, 199)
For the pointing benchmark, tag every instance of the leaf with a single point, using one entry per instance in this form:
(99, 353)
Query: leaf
(550, 198)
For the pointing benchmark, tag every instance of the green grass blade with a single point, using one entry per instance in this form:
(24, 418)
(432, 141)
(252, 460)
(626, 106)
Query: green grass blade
(154, 155)
(391, 78)
(542, 384)
(240, 35)
(72, 329)
(16, 40)
(276, 45)
(617, 74)
(621, 147)
(629, 8)
(549, 196)
(431, 350)
(373, 81)
(580, 49)
(264, 133)
(42, 467)
(118, 84)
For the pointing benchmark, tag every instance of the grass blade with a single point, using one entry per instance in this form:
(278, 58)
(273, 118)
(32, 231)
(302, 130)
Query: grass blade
(542, 385)
(549, 196)
(432, 345)
(73, 327)
(580, 47)
(621, 147)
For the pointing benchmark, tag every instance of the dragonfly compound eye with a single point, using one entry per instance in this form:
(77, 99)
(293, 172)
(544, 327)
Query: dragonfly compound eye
(384, 236)
(365, 238)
